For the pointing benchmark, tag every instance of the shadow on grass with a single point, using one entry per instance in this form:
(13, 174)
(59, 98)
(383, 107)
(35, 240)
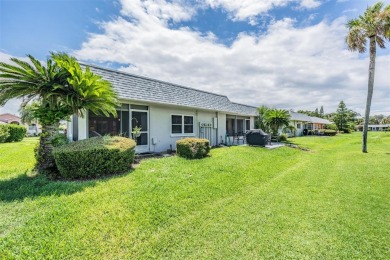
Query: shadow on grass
(25, 186)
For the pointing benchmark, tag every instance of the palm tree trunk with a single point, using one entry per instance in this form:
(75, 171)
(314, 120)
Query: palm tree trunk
(45, 160)
(371, 74)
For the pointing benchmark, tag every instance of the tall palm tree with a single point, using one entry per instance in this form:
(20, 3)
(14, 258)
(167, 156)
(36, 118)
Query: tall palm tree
(62, 89)
(277, 118)
(373, 25)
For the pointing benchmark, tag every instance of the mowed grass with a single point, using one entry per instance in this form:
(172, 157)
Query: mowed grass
(241, 202)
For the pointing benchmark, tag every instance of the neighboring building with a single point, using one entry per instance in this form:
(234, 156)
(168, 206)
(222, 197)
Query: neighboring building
(382, 127)
(32, 129)
(8, 118)
(302, 121)
(165, 112)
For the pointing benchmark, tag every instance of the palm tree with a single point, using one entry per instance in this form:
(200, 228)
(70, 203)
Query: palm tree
(373, 25)
(277, 118)
(261, 121)
(289, 129)
(62, 89)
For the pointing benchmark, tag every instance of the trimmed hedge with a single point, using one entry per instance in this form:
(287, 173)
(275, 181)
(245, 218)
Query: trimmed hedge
(328, 132)
(14, 133)
(94, 157)
(4, 134)
(193, 148)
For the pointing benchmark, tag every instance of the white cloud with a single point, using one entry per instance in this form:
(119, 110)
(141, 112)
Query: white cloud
(248, 9)
(286, 67)
(310, 3)
(157, 10)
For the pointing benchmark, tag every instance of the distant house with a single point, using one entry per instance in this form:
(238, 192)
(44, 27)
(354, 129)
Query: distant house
(32, 129)
(165, 112)
(381, 127)
(302, 121)
(8, 118)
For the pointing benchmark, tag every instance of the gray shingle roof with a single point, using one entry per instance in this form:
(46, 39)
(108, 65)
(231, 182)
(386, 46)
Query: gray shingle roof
(137, 88)
(299, 117)
(305, 118)
(319, 120)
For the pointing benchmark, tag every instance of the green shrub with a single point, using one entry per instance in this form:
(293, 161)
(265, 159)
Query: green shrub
(347, 130)
(16, 133)
(94, 157)
(331, 126)
(330, 132)
(192, 148)
(282, 138)
(4, 133)
(59, 139)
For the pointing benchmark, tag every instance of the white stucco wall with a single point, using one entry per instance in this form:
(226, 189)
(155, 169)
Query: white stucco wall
(83, 127)
(298, 132)
(160, 136)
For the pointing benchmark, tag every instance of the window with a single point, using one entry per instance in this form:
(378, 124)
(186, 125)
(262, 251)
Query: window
(247, 124)
(230, 125)
(182, 124)
(298, 126)
(240, 126)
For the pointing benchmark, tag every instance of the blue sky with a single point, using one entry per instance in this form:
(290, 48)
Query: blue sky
(287, 53)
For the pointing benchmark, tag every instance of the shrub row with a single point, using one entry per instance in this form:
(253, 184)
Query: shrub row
(94, 157)
(12, 133)
(192, 148)
(328, 132)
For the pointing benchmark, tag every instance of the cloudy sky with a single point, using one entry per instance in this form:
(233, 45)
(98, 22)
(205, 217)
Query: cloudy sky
(283, 53)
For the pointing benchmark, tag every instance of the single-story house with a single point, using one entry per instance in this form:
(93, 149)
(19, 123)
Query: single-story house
(302, 121)
(166, 112)
(8, 118)
(380, 127)
(32, 129)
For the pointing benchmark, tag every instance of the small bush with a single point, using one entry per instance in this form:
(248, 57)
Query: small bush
(193, 148)
(16, 133)
(4, 133)
(282, 138)
(331, 127)
(59, 139)
(94, 157)
(328, 132)
(347, 131)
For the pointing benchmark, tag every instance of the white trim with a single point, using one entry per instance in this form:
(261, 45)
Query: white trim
(182, 134)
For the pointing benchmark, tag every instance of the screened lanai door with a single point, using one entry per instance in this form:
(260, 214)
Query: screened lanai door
(140, 118)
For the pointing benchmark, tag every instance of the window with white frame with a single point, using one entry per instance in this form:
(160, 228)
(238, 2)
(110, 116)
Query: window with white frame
(298, 126)
(181, 124)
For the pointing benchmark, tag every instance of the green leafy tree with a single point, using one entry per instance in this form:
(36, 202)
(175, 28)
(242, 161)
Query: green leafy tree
(376, 119)
(277, 118)
(262, 120)
(316, 113)
(373, 27)
(27, 113)
(62, 88)
(313, 113)
(344, 118)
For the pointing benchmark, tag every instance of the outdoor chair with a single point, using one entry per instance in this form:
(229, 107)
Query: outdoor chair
(239, 136)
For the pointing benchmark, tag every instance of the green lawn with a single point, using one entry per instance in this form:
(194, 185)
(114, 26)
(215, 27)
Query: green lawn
(241, 202)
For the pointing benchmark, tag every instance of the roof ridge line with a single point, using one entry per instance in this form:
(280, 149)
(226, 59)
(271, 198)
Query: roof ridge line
(242, 104)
